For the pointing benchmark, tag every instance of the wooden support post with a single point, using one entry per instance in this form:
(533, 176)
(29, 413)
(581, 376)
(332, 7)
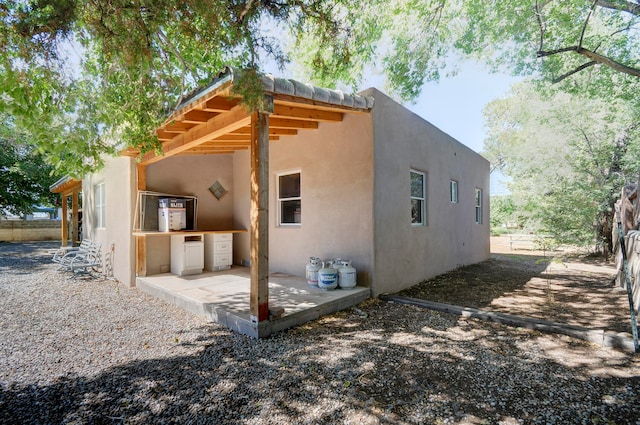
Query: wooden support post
(141, 256)
(259, 233)
(75, 221)
(141, 177)
(65, 221)
(141, 241)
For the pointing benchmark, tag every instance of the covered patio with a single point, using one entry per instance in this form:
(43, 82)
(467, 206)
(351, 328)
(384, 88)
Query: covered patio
(69, 187)
(214, 121)
(223, 297)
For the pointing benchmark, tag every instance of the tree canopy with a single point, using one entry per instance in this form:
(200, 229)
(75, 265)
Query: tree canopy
(568, 155)
(24, 176)
(556, 38)
(85, 78)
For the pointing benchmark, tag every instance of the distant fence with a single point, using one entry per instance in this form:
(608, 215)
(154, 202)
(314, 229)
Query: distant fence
(628, 214)
(30, 230)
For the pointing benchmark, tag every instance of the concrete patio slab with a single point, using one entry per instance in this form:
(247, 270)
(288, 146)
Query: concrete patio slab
(223, 297)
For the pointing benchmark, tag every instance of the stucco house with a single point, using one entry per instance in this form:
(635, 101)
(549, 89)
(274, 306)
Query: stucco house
(316, 173)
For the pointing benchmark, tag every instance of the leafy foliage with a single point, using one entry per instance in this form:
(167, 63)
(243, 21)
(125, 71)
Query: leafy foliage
(568, 37)
(89, 77)
(85, 78)
(568, 157)
(24, 176)
(503, 211)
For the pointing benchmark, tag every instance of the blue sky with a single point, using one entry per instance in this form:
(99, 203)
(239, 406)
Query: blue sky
(455, 106)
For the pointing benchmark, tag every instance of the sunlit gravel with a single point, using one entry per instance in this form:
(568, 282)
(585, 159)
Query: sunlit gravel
(92, 351)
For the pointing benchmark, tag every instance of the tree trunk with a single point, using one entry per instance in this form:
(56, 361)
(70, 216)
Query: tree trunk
(604, 243)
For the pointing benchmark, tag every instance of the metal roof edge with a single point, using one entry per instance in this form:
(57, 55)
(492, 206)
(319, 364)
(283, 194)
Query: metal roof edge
(62, 182)
(286, 86)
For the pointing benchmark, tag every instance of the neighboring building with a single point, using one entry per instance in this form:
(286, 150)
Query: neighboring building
(351, 176)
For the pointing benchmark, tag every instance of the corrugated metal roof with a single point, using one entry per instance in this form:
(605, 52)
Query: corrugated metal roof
(274, 85)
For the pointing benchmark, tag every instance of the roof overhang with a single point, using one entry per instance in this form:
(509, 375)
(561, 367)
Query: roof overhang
(66, 185)
(214, 120)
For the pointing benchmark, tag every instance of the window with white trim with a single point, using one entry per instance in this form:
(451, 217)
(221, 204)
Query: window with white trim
(418, 198)
(100, 205)
(453, 191)
(289, 199)
(478, 206)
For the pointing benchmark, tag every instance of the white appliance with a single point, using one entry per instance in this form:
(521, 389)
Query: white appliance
(172, 214)
(187, 254)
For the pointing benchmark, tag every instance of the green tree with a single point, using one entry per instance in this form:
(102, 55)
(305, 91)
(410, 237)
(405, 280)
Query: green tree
(90, 77)
(24, 176)
(94, 77)
(568, 156)
(503, 211)
(556, 38)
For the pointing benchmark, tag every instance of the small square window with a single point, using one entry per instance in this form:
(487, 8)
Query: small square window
(289, 199)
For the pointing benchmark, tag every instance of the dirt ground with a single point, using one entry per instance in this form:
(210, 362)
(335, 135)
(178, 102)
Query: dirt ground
(561, 286)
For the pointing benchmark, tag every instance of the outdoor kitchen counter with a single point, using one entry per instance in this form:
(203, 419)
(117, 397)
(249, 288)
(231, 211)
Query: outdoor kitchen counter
(186, 232)
(155, 257)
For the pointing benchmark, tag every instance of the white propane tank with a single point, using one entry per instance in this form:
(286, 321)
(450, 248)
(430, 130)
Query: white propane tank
(327, 277)
(312, 271)
(336, 263)
(347, 273)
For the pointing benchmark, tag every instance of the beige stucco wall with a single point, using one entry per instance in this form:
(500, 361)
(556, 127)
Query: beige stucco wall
(405, 255)
(336, 166)
(191, 175)
(119, 177)
(355, 200)
(241, 206)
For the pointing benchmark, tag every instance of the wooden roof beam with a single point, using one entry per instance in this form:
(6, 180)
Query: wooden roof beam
(215, 127)
(238, 138)
(217, 148)
(165, 136)
(290, 123)
(290, 100)
(223, 143)
(220, 104)
(212, 152)
(196, 117)
(308, 114)
(177, 127)
(272, 131)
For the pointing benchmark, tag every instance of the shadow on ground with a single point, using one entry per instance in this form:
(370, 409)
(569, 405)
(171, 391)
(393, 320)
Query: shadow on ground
(344, 369)
(574, 290)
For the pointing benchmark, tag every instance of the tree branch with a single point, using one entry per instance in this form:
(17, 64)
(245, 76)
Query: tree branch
(594, 157)
(247, 7)
(570, 73)
(586, 22)
(595, 57)
(616, 66)
(621, 5)
(543, 53)
(540, 25)
(164, 38)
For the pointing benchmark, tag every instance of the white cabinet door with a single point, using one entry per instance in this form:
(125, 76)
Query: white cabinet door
(193, 256)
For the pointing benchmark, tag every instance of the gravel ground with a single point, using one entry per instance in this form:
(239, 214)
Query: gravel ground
(92, 351)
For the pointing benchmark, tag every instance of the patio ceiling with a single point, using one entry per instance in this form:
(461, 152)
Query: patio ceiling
(215, 122)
